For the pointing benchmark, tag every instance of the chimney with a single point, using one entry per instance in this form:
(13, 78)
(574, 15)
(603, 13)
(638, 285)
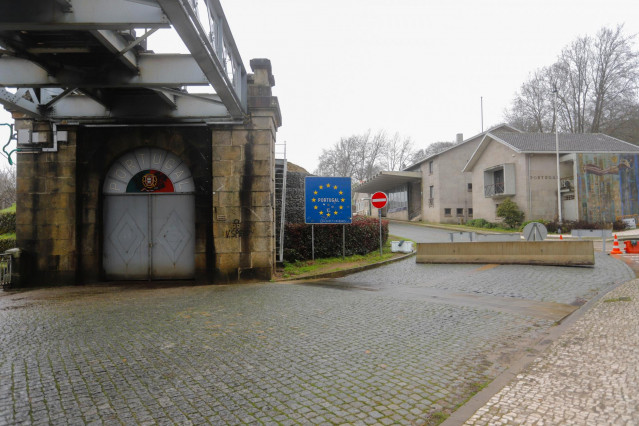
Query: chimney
(460, 138)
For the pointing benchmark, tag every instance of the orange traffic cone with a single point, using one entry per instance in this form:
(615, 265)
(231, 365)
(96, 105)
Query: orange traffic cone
(615, 247)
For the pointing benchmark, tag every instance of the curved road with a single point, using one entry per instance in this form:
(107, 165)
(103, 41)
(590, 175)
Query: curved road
(418, 233)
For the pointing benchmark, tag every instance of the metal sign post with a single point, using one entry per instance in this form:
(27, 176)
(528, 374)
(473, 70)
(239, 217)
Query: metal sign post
(379, 200)
(343, 241)
(380, 232)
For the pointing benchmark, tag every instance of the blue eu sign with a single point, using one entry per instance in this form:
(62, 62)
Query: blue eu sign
(327, 199)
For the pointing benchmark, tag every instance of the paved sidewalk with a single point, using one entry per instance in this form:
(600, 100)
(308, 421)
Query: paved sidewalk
(589, 376)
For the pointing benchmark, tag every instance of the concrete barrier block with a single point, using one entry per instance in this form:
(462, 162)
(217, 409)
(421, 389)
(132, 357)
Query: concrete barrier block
(562, 253)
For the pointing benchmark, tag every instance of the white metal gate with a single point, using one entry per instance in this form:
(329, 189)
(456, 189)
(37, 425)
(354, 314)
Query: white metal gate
(149, 218)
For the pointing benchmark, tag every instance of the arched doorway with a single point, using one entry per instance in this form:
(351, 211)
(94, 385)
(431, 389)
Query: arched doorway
(149, 217)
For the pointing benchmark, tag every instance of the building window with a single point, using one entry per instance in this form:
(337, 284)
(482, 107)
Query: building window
(430, 167)
(398, 199)
(431, 196)
(470, 212)
(447, 212)
(460, 212)
(499, 180)
(470, 187)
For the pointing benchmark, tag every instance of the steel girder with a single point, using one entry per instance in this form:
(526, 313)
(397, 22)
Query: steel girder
(69, 105)
(38, 15)
(154, 70)
(109, 93)
(214, 49)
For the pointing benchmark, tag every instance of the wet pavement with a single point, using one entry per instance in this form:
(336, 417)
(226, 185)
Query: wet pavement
(401, 344)
(588, 376)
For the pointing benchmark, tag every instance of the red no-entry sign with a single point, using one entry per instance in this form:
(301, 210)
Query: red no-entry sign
(379, 200)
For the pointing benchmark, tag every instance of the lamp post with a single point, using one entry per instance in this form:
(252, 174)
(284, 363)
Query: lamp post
(558, 171)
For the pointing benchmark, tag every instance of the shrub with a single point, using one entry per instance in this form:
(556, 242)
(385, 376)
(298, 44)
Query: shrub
(481, 223)
(362, 237)
(569, 225)
(7, 243)
(7, 222)
(509, 210)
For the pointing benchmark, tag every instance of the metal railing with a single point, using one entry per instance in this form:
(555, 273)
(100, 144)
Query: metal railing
(494, 189)
(5, 270)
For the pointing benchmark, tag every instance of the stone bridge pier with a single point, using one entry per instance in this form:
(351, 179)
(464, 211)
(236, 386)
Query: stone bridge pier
(150, 199)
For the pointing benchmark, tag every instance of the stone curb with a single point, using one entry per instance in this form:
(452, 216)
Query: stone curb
(345, 272)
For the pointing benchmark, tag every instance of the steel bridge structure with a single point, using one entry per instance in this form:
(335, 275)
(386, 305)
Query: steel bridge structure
(86, 61)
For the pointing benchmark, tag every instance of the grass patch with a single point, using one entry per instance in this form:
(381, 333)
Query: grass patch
(469, 228)
(618, 299)
(11, 209)
(9, 236)
(333, 264)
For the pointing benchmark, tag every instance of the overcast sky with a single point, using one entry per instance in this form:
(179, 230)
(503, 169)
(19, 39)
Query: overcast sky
(416, 67)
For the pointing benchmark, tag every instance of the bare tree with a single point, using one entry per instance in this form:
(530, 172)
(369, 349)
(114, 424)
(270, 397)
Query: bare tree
(399, 153)
(363, 156)
(532, 108)
(7, 187)
(614, 75)
(432, 149)
(596, 83)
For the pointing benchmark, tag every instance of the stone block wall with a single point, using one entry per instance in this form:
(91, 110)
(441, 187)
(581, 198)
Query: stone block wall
(244, 185)
(46, 211)
(295, 197)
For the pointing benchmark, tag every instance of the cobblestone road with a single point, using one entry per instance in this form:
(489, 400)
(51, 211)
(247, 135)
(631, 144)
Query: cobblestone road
(352, 350)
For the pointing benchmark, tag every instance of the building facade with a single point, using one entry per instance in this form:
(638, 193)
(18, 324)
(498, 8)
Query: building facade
(434, 189)
(598, 176)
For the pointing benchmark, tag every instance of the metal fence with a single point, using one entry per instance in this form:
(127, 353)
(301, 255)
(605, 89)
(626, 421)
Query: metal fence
(5, 270)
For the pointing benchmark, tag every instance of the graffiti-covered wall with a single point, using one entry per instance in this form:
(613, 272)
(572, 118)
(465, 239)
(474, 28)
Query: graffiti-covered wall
(608, 186)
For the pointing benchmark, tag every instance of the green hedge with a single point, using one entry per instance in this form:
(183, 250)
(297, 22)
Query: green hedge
(362, 237)
(7, 222)
(6, 244)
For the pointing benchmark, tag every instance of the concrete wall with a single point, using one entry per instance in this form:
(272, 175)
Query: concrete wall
(541, 201)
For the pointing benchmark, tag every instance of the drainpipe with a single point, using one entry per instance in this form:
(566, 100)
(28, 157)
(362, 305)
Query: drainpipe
(530, 217)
